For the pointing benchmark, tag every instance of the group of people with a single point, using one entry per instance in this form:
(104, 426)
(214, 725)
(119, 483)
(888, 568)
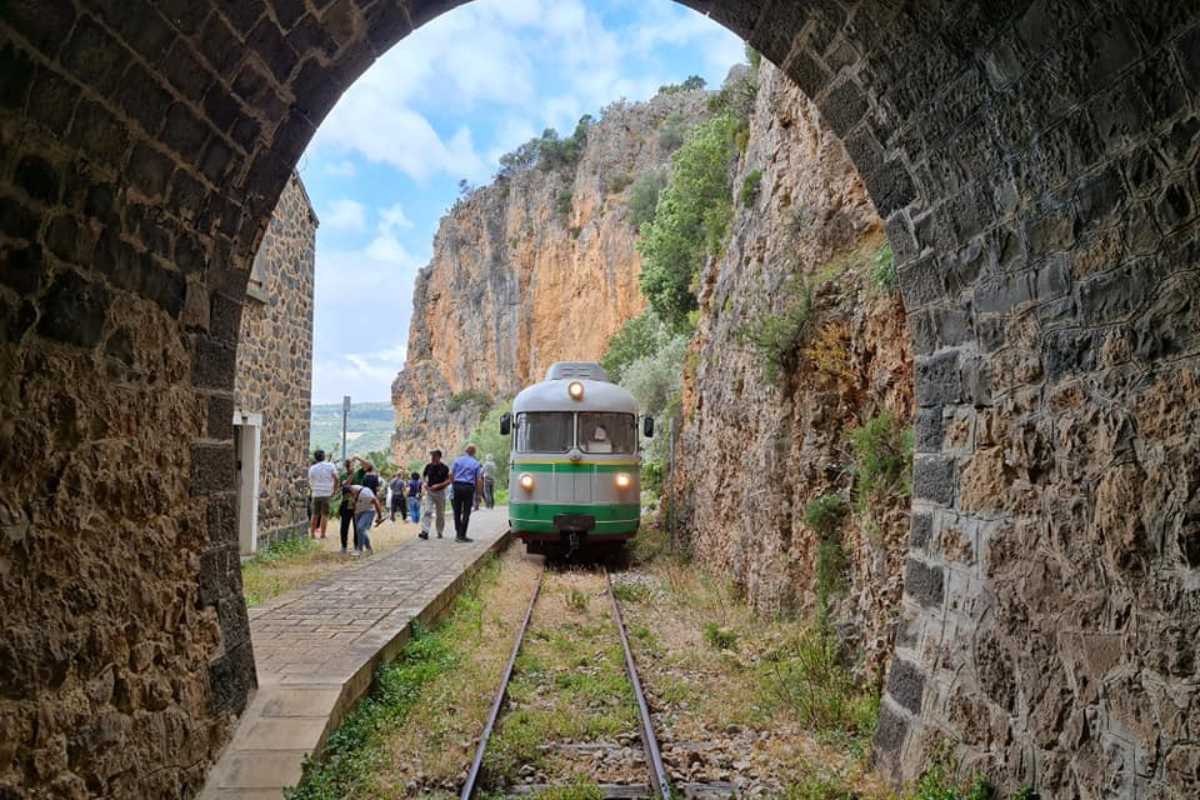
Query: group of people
(466, 483)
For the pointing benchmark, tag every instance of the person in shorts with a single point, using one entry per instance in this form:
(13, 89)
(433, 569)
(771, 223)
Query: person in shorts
(322, 480)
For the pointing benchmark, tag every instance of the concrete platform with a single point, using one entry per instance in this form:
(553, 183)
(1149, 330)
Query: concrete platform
(317, 650)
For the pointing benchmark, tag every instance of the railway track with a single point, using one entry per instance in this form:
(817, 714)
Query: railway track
(659, 786)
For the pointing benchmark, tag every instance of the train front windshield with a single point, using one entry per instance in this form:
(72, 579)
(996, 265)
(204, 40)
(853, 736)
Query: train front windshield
(555, 432)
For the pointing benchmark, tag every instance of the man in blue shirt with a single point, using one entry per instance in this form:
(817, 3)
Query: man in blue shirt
(467, 474)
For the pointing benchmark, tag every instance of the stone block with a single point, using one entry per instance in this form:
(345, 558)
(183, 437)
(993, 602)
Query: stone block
(891, 188)
(924, 583)
(938, 382)
(21, 269)
(43, 22)
(906, 685)
(844, 107)
(17, 220)
(934, 478)
(920, 282)
(230, 679)
(214, 364)
(1002, 293)
(268, 42)
(74, 310)
(150, 171)
(40, 180)
(921, 531)
(213, 469)
(890, 735)
(977, 382)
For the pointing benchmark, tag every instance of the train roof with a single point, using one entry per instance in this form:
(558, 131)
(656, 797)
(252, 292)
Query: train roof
(598, 395)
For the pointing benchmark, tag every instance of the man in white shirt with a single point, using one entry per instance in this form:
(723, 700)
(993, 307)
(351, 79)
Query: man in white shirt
(322, 478)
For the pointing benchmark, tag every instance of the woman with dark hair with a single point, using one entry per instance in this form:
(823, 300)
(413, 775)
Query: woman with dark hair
(414, 496)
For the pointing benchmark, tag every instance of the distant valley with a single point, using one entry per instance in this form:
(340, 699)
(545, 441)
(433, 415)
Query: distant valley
(369, 428)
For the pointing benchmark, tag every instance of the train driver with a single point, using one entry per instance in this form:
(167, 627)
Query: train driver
(599, 442)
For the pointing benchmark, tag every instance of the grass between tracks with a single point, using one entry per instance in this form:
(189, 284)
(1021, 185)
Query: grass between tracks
(569, 687)
(414, 733)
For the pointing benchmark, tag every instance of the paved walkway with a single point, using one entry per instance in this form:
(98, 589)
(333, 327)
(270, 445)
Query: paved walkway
(318, 647)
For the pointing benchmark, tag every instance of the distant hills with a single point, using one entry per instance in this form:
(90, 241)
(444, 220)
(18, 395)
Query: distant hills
(370, 427)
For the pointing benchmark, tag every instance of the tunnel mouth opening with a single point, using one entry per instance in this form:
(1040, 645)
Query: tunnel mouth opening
(1040, 262)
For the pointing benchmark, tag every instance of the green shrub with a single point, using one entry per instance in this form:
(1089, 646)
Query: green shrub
(672, 132)
(639, 337)
(691, 84)
(776, 338)
(753, 57)
(577, 600)
(883, 452)
(643, 198)
(653, 473)
(938, 783)
(750, 188)
(468, 397)
(619, 182)
(548, 151)
(631, 593)
(691, 219)
(820, 786)
(824, 514)
(883, 269)
(562, 202)
(719, 638)
(809, 678)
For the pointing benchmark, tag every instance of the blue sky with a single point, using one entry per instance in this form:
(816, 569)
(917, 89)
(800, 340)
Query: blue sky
(442, 105)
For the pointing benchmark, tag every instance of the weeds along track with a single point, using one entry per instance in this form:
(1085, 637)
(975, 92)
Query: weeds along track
(570, 710)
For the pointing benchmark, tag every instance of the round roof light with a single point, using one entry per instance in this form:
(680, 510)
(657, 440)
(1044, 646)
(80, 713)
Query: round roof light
(575, 390)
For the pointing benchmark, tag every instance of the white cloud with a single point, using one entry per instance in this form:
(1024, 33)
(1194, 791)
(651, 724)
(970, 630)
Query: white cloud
(394, 217)
(341, 169)
(346, 215)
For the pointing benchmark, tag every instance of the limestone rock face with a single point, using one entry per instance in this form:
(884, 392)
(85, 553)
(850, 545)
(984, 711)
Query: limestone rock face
(526, 271)
(751, 453)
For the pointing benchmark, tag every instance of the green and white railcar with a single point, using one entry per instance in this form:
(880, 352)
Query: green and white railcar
(574, 480)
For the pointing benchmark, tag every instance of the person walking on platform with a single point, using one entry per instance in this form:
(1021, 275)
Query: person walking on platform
(398, 503)
(468, 478)
(414, 497)
(322, 478)
(489, 482)
(367, 509)
(346, 509)
(437, 478)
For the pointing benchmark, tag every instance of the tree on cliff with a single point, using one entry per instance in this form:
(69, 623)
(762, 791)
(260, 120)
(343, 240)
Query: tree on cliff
(690, 220)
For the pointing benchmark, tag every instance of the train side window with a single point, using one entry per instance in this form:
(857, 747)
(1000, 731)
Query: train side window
(545, 431)
(607, 433)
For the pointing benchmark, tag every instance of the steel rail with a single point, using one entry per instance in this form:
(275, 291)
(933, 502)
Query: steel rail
(468, 790)
(658, 771)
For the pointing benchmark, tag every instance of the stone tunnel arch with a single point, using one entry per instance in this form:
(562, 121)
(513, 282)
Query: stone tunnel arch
(1036, 163)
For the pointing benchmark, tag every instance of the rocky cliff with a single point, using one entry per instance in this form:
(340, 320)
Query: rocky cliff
(755, 449)
(537, 267)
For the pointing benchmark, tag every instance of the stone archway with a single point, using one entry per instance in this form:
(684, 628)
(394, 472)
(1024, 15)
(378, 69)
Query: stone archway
(1037, 166)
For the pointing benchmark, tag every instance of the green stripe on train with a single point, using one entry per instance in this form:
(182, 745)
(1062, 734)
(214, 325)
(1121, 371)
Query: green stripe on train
(603, 512)
(568, 467)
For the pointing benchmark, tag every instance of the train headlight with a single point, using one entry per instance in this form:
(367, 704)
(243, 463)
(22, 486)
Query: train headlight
(623, 480)
(575, 389)
(526, 481)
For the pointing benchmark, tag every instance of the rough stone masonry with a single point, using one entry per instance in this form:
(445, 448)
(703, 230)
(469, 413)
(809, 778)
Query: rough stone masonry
(274, 361)
(1036, 165)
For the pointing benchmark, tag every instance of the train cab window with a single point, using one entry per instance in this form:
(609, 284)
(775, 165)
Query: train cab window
(545, 431)
(607, 433)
